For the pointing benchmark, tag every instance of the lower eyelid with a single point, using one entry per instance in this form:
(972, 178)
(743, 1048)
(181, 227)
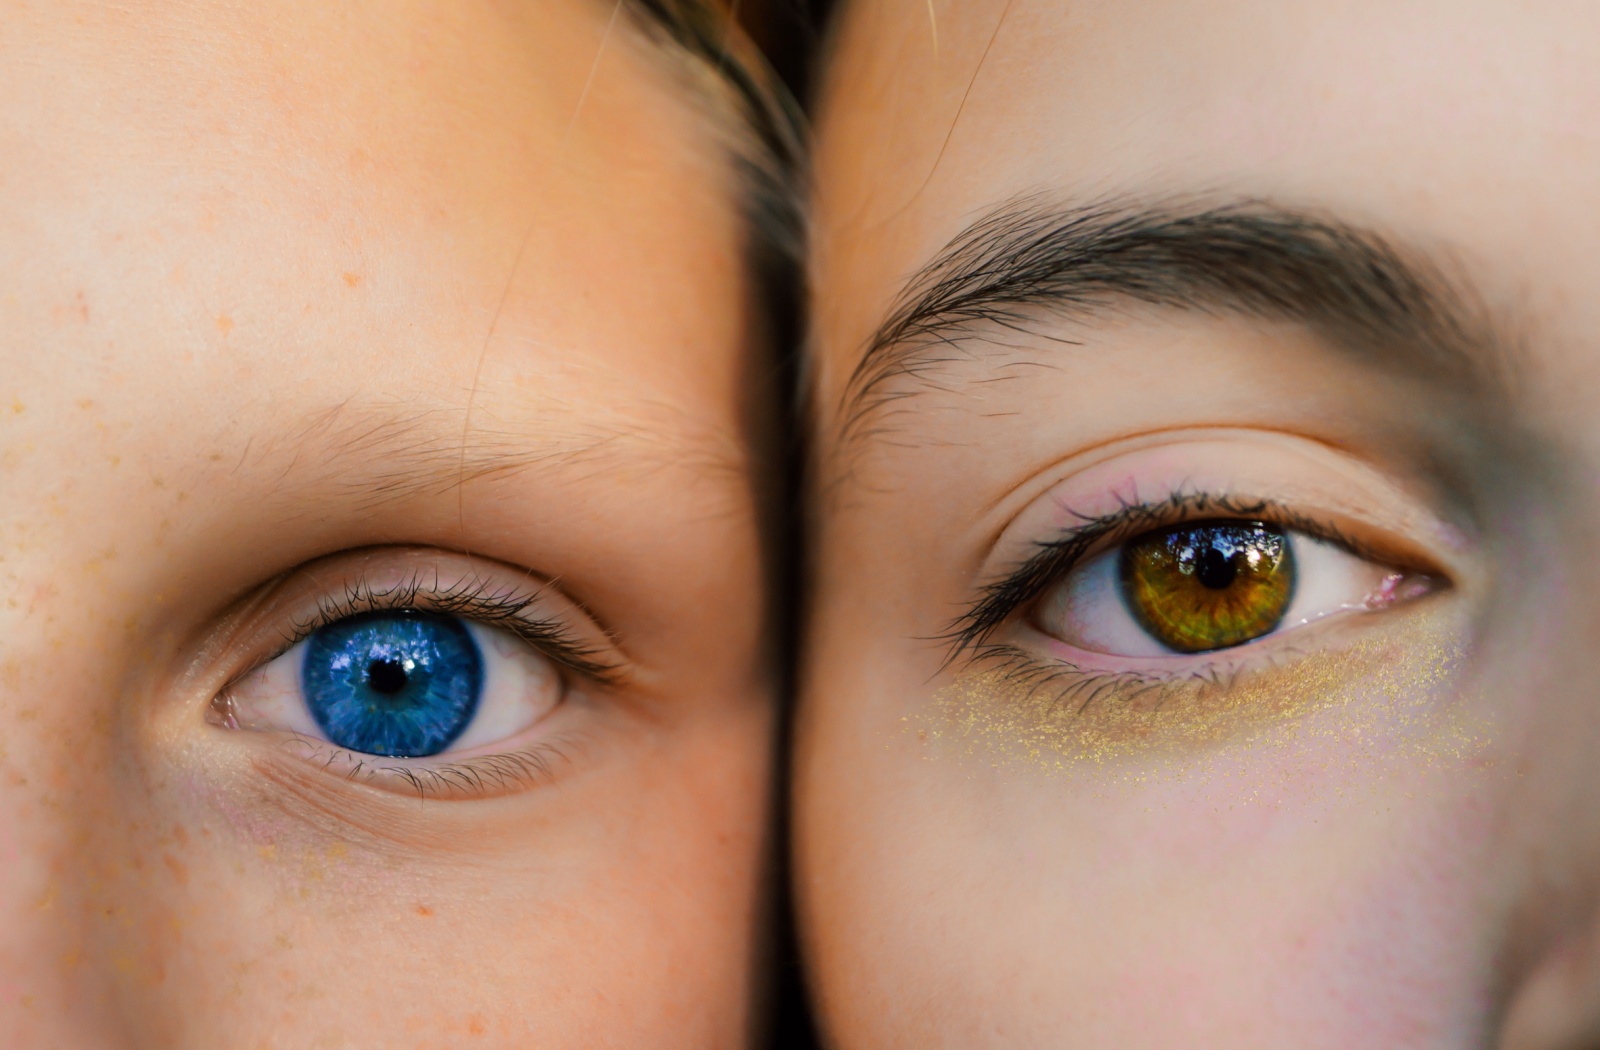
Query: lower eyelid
(1365, 687)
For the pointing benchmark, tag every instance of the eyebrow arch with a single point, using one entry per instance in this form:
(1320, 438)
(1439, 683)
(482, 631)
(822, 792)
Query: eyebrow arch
(1387, 308)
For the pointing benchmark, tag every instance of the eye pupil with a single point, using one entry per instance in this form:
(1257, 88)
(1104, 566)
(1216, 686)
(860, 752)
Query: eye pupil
(387, 676)
(1216, 570)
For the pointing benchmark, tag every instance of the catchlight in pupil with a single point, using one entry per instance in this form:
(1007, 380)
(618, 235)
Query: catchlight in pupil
(1208, 585)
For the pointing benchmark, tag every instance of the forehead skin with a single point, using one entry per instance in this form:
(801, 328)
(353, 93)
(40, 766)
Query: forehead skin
(1465, 130)
(1428, 119)
(283, 279)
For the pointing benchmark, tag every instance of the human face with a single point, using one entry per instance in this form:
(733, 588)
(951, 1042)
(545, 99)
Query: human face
(311, 311)
(1202, 646)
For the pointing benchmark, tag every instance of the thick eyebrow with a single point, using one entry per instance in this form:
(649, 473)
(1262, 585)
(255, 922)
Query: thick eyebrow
(1029, 258)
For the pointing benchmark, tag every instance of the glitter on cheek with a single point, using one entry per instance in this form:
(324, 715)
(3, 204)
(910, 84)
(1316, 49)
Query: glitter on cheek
(1389, 689)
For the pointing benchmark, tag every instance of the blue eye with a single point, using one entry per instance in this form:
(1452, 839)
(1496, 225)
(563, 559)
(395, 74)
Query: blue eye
(401, 683)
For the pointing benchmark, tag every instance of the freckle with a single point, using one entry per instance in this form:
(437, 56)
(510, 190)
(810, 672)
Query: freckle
(224, 324)
(352, 279)
(27, 714)
(85, 403)
(17, 408)
(180, 834)
(179, 869)
(476, 1026)
(424, 911)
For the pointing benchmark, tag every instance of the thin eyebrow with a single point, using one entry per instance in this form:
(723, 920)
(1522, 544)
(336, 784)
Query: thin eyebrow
(381, 454)
(1392, 309)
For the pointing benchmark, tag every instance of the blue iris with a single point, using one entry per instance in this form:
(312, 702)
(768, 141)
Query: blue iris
(401, 683)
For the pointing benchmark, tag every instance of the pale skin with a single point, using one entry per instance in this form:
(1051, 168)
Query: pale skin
(339, 296)
(1367, 850)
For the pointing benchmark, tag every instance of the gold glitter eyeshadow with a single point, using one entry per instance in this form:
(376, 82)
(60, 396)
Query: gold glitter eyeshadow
(1390, 685)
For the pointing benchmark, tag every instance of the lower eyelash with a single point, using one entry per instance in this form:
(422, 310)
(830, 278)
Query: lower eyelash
(1350, 691)
(477, 776)
(1068, 688)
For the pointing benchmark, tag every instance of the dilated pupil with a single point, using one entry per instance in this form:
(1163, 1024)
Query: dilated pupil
(1215, 569)
(386, 676)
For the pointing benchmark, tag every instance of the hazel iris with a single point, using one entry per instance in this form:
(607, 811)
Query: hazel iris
(401, 683)
(1208, 585)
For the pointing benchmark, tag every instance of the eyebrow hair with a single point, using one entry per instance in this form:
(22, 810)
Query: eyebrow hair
(373, 455)
(1384, 306)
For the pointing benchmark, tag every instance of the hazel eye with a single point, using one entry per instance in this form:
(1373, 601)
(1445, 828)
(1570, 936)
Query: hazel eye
(1209, 586)
(400, 683)
(1205, 586)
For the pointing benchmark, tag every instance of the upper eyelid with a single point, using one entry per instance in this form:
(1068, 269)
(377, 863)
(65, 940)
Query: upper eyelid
(475, 597)
(1057, 557)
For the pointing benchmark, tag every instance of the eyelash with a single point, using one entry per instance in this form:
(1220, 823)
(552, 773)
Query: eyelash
(472, 599)
(1055, 558)
(473, 777)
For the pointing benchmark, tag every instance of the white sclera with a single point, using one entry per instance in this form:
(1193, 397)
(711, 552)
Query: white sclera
(1087, 610)
(520, 686)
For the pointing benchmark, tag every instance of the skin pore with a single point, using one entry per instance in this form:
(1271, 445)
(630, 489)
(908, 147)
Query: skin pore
(313, 312)
(1093, 277)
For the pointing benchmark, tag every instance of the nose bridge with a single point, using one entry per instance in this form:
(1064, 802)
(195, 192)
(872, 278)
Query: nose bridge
(62, 837)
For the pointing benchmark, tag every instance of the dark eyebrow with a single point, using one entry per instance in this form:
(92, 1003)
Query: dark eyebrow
(1392, 309)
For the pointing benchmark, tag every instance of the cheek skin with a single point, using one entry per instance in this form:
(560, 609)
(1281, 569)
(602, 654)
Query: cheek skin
(1310, 872)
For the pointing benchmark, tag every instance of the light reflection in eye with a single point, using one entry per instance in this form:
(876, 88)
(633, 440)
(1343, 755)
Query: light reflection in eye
(1212, 585)
(400, 683)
